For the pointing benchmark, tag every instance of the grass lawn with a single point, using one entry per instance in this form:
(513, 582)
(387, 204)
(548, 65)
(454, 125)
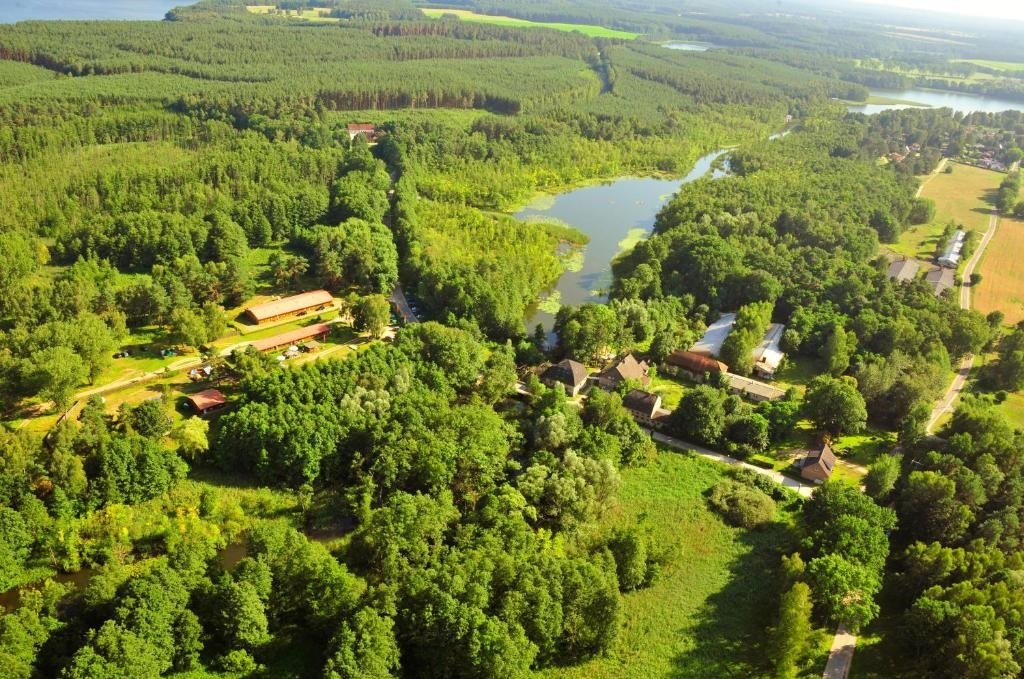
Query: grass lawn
(671, 389)
(1002, 273)
(706, 615)
(585, 29)
(998, 65)
(964, 196)
(797, 372)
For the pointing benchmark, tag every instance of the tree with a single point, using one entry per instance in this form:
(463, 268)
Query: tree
(844, 590)
(837, 350)
(749, 430)
(191, 436)
(372, 314)
(881, 477)
(922, 211)
(835, 405)
(57, 372)
(930, 511)
(188, 327)
(364, 648)
(149, 418)
(741, 505)
(629, 549)
(700, 416)
(792, 634)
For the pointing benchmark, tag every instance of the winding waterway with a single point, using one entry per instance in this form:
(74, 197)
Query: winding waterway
(615, 215)
(964, 102)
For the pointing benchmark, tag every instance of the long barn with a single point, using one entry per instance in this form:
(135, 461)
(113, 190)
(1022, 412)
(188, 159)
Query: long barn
(314, 300)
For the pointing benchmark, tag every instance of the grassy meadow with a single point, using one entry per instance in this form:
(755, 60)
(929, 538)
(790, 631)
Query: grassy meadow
(964, 196)
(585, 29)
(706, 615)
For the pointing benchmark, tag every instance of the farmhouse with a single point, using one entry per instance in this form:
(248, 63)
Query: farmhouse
(316, 331)
(951, 256)
(818, 464)
(692, 365)
(752, 389)
(941, 279)
(567, 372)
(206, 401)
(626, 368)
(643, 405)
(767, 355)
(711, 343)
(904, 269)
(368, 130)
(296, 305)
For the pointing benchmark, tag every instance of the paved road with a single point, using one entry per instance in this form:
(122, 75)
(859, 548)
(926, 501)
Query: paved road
(802, 488)
(945, 404)
(841, 655)
(398, 297)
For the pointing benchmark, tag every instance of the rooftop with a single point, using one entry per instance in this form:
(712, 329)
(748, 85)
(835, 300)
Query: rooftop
(754, 387)
(711, 343)
(695, 363)
(292, 336)
(768, 353)
(641, 401)
(568, 372)
(289, 305)
(903, 270)
(206, 399)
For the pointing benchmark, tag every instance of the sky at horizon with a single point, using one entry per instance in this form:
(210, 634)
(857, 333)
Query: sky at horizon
(985, 9)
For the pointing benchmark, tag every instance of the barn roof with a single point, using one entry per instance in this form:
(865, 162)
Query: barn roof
(288, 305)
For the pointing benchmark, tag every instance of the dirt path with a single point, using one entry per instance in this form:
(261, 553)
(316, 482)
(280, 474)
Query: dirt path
(803, 489)
(945, 404)
(841, 655)
(938, 168)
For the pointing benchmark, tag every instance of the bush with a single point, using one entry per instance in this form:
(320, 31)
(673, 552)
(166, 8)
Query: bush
(741, 505)
(749, 477)
(629, 549)
(238, 661)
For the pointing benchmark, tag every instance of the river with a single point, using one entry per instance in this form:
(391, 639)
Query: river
(24, 10)
(958, 101)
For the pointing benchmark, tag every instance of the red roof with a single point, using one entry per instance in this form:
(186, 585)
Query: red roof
(695, 363)
(206, 399)
(292, 336)
(361, 127)
(289, 305)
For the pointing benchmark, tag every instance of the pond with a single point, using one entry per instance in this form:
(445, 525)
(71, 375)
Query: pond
(24, 10)
(958, 101)
(615, 215)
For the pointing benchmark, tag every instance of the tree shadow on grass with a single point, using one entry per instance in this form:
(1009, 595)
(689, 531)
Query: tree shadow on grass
(729, 638)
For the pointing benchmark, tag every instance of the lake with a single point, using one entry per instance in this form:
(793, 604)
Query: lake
(615, 215)
(958, 101)
(687, 46)
(23, 10)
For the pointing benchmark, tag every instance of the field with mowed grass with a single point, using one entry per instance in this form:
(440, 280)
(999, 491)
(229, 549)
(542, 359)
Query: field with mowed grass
(965, 196)
(707, 612)
(1002, 273)
(585, 29)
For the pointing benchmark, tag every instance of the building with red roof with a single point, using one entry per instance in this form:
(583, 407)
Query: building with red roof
(314, 300)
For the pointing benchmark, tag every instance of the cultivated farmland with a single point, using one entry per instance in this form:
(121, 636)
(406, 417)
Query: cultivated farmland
(1002, 273)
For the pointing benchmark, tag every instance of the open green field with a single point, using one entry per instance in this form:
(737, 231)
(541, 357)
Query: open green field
(707, 613)
(1002, 273)
(670, 388)
(998, 65)
(964, 196)
(586, 29)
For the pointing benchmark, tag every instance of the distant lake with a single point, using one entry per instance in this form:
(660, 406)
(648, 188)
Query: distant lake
(687, 46)
(23, 10)
(614, 215)
(958, 101)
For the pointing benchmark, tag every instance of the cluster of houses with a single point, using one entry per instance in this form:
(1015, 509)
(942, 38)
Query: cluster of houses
(644, 405)
(940, 277)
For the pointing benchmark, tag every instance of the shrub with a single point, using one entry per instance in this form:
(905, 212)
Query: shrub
(741, 505)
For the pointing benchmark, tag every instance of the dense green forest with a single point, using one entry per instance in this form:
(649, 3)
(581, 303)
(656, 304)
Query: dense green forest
(401, 511)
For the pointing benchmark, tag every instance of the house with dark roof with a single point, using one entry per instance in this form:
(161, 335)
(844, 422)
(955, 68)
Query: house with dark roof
(819, 462)
(903, 270)
(941, 279)
(569, 373)
(626, 368)
(642, 405)
(692, 365)
(206, 401)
